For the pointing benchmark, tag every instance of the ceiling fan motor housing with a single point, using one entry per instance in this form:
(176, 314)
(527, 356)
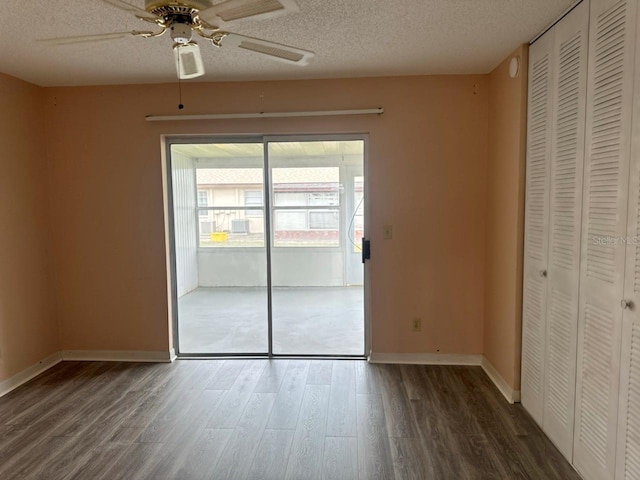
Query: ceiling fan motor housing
(151, 5)
(181, 32)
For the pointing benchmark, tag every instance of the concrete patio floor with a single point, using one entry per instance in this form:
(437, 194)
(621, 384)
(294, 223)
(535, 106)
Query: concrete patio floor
(306, 320)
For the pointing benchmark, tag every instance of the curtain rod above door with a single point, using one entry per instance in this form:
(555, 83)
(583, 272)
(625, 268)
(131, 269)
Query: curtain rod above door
(228, 116)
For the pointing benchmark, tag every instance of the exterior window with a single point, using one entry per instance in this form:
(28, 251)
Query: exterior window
(306, 207)
(291, 220)
(290, 199)
(203, 202)
(233, 199)
(253, 198)
(324, 198)
(324, 220)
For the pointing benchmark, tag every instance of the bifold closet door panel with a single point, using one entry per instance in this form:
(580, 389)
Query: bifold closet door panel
(604, 226)
(567, 159)
(628, 445)
(536, 224)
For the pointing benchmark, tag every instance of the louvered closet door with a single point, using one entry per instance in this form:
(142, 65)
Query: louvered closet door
(628, 445)
(536, 225)
(609, 100)
(567, 159)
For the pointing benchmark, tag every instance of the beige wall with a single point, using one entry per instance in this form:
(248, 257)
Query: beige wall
(427, 166)
(449, 181)
(505, 218)
(28, 331)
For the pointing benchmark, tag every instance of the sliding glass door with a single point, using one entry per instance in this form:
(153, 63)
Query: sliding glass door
(312, 248)
(268, 271)
(221, 252)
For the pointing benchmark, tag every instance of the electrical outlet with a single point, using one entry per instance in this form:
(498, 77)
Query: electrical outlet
(416, 325)
(387, 232)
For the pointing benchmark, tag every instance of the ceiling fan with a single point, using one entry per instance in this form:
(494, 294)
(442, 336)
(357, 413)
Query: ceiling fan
(183, 18)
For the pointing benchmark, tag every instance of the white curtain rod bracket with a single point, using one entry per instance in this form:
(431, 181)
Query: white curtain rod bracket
(229, 116)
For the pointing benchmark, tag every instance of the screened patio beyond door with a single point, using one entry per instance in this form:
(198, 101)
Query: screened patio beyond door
(300, 236)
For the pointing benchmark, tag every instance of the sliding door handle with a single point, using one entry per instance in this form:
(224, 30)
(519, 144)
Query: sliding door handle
(366, 249)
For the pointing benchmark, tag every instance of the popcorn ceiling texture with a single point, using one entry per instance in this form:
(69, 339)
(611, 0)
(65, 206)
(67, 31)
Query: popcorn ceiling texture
(351, 38)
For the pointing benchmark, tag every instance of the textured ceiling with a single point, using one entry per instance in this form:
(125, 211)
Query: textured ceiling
(351, 38)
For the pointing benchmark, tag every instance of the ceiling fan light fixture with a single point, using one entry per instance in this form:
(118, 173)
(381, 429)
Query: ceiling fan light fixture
(184, 18)
(188, 60)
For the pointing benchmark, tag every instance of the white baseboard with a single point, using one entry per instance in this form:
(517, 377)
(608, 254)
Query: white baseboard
(118, 356)
(512, 396)
(28, 373)
(426, 358)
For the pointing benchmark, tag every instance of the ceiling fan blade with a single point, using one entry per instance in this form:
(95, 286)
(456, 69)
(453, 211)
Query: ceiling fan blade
(233, 10)
(275, 51)
(127, 7)
(188, 60)
(91, 38)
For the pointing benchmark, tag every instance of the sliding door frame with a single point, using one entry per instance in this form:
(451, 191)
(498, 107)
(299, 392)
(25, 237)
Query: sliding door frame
(265, 140)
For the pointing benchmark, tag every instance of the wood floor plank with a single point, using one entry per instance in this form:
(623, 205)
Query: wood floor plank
(340, 459)
(237, 457)
(287, 405)
(342, 418)
(410, 460)
(272, 376)
(305, 460)
(397, 406)
(320, 372)
(438, 441)
(172, 415)
(413, 382)
(60, 396)
(479, 460)
(135, 462)
(366, 378)
(374, 452)
(99, 462)
(270, 461)
(43, 452)
(163, 402)
(165, 386)
(24, 398)
(124, 435)
(181, 437)
(227, 375)
(235, 400)
(202, 459)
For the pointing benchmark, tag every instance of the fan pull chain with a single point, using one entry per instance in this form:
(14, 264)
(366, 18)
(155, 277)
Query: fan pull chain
(180, 105)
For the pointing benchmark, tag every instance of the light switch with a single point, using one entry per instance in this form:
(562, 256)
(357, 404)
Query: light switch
(387, 232)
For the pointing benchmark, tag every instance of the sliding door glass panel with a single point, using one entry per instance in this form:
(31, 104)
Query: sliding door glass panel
(219, 204)
(315, 308)
(355, 225)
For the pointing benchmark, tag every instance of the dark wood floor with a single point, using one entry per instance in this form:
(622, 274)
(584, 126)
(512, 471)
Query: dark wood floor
(259, 419)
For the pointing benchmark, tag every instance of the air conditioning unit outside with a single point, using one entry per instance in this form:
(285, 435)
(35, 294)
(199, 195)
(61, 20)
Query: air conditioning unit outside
(240, 226)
